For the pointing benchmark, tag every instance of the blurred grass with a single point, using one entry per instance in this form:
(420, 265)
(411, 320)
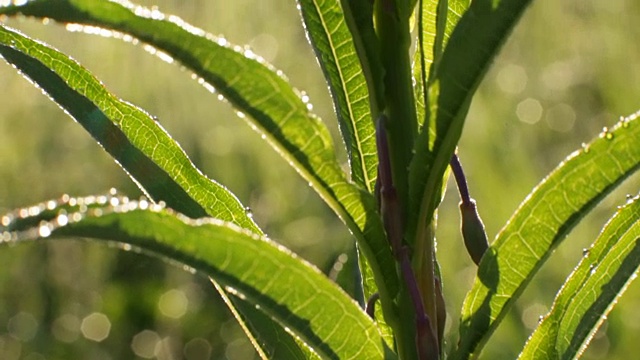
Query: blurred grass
(570, 68)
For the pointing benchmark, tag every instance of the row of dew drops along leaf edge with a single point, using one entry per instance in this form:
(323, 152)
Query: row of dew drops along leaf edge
(607, 133)
(86, 206)
(153, 13)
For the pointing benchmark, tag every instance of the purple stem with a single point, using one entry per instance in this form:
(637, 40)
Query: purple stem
(426, 342)
(461, 180)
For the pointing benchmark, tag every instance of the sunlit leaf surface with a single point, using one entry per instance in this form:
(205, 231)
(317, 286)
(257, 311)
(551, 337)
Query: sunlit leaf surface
(591, 290)
(249, 266)
(264, 98)
(133, 137)
(334, 46)
(542, 221)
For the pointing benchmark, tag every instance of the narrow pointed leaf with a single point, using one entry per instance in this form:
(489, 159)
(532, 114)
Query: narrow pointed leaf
(328, 33)
(92, 109)
(591, 291)
(269, 102)
(475, 40)
(130, 135)
(436, 21)
(249, 266)
(541, 222)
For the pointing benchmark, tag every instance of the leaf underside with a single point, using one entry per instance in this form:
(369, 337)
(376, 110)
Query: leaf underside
(271, 106)
(286, 288)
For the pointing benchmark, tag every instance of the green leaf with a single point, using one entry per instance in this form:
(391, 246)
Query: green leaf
(436, 21)
(474, 42)
(272, 106)
(138, 142)
(270, 339)
(334, 46)
(84, 98)
(249, 266)
(541, 222)
(591, 291)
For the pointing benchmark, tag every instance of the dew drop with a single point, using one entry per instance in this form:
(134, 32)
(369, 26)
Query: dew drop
(62, 220)
(34, 211)
(188, 269)
(114, 201)
(585, 252)
(604, 132)
(126, 247)
(585, 148)
(609, 136)
(5, 221)
(248, 212)
(44, 230)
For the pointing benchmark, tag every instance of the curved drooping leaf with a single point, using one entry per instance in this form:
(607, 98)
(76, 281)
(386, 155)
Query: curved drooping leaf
(541, 222)
(168, 183)
(591, 290)
(474, 42)
(270, 103)
(138, 142)
(328, 33)
(249, 266)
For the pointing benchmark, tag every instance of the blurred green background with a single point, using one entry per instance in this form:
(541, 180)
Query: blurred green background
(570, 69)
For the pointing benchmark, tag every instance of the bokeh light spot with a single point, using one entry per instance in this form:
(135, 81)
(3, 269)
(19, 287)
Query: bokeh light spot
(173, 304)
(529, 111)
(96, 327)
(144, 344)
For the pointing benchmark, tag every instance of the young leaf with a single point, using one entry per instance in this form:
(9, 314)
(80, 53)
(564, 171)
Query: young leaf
(474, 42)
(591, 290)
(541, 222)
(436, 21)
(272, 106)
(336, 52)
(130, 135)
(249, 266)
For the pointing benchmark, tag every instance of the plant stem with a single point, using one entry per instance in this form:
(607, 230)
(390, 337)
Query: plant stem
(461, 180)
(395, 40)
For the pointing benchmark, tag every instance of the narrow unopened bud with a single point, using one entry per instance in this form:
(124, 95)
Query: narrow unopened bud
(473, 233)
